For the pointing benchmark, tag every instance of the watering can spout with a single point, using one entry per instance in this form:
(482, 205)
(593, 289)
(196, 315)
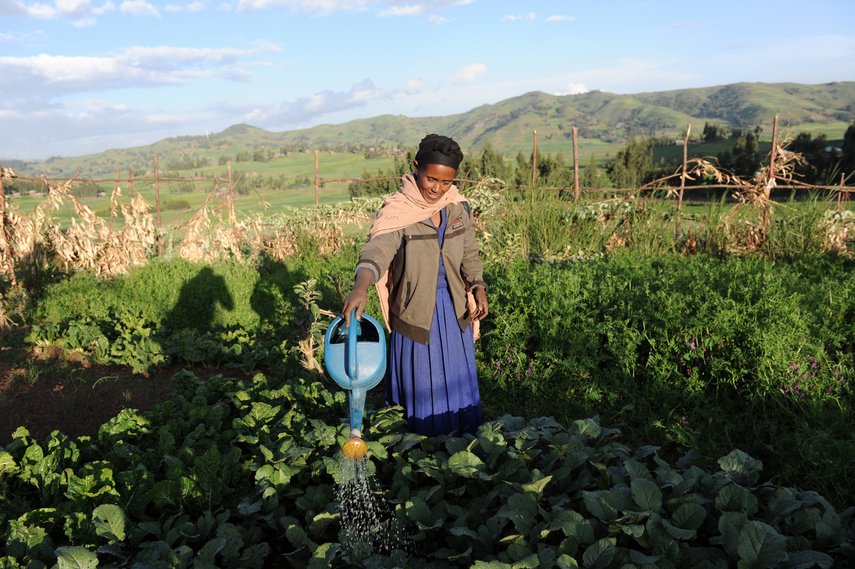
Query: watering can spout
(355, 358)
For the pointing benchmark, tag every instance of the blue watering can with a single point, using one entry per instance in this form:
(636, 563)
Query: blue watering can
(355, 358)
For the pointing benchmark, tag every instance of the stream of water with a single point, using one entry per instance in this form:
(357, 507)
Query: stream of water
(369, 527)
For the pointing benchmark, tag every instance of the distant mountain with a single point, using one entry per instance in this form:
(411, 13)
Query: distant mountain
(507, 125)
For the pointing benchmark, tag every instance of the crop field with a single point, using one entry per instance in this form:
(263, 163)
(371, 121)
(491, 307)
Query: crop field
(662, 388)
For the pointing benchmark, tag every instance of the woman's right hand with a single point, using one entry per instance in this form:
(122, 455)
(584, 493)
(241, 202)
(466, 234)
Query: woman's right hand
(358, 297)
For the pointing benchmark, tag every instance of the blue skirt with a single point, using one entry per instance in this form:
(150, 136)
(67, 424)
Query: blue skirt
(436, 383)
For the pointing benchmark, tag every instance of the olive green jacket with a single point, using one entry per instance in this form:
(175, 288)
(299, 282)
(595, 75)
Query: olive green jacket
(412, 257)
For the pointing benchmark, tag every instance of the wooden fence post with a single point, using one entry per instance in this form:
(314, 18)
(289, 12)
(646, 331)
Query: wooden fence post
(534, 159)
(157, 208)
(231, 197)
(317, 182)
(683, 176)
(576, 187)
(773, 154)
(113, 200)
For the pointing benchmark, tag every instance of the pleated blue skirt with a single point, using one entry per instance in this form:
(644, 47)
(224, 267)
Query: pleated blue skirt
(436, 383)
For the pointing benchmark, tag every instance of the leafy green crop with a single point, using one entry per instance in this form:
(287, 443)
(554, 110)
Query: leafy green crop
(690, 352)
(243, 473)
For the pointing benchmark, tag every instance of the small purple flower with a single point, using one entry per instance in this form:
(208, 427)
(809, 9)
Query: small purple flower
(684, 421)
(692, 344)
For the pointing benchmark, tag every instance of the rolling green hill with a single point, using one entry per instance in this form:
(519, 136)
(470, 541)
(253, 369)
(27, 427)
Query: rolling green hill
(601, 119)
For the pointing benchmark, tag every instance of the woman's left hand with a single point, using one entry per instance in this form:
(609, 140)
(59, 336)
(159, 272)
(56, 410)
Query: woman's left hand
(481, 309)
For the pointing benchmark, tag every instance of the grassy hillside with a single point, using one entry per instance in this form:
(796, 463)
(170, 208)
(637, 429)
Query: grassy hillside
(604, 122)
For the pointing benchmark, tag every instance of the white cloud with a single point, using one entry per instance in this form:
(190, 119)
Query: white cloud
(530, 17)
(321, 7)
(12, 8)
(305, 109)
(39, 76)
(42, 11)
(189, 7)
(22, 38)
(74, 8)
(469, 73)
(414, 86)
(573, 89)
(436, 19)
(139, 8)
(384, 8)
(560, 18)
(85, 127)
(80, 12)
(405, 10)
(309, 110)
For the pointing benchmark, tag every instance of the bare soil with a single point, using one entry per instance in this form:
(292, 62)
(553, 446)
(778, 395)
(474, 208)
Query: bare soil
(44, 390)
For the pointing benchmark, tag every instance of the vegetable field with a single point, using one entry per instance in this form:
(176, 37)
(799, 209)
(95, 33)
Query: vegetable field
(657, 395)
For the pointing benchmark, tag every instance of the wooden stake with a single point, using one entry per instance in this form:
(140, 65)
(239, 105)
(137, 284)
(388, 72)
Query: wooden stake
(534, 159)
(576, 187)
(768, 190)
(683, 176)
(231, 197)
(157, 208)
(317, 182)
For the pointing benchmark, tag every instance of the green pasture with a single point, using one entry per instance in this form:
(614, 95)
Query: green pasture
(301, 165)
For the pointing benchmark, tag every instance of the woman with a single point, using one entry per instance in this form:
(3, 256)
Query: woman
(422, 257)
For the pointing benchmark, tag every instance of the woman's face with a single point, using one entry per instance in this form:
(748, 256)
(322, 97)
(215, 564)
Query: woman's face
(434, 180)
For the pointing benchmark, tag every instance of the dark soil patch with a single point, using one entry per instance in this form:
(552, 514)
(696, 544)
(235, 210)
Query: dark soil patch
(44, 390)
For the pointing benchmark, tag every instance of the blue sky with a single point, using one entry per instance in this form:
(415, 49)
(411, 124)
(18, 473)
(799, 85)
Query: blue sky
(82, 76)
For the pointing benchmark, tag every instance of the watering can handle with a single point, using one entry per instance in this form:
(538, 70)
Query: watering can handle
(352, 334)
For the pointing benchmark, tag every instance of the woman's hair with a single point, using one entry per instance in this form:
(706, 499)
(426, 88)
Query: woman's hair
(439, 149)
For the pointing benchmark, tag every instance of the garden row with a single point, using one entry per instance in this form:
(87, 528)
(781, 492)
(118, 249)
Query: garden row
(244, 474)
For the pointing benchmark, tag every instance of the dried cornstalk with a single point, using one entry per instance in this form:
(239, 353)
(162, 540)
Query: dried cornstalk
(696, 169)
(89, 243)
(758, 193)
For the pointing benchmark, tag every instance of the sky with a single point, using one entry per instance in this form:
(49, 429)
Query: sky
(82, 76)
